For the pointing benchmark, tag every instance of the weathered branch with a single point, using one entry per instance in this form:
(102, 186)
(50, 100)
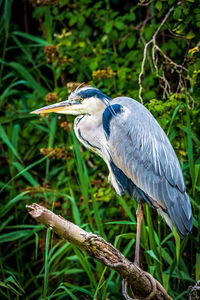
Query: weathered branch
(142, 283)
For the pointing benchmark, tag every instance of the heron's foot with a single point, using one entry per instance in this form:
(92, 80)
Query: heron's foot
(125, 290)
(151, 294)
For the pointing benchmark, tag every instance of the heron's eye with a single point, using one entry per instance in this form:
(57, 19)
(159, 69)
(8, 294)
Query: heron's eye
(81, 99)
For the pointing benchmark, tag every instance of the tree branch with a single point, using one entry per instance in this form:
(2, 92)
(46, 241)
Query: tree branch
(142, 283)
(152, 41)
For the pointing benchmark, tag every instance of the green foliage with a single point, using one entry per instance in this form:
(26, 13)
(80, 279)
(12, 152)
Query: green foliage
(44, 48)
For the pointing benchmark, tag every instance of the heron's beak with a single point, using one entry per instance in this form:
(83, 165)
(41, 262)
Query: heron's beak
(72, 107)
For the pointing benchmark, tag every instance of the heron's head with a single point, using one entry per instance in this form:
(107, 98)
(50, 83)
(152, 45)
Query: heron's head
(84, 100)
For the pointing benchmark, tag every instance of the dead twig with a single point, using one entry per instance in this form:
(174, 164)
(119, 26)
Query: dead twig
(143, 3)
(194, 291)
(170, 61)
(152, 41)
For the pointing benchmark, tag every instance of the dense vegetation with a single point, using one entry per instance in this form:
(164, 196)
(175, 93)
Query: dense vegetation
(46, 45)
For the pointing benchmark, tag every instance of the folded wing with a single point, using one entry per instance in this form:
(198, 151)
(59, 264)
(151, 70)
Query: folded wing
(141, 149)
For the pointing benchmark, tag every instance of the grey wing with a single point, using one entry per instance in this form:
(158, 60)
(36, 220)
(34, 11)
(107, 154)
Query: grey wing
(138, 146)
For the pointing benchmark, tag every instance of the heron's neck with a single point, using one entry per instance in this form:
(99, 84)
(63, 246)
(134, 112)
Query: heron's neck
(89, 131)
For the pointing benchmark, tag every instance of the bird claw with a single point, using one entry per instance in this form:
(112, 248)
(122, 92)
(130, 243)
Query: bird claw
(125, 290)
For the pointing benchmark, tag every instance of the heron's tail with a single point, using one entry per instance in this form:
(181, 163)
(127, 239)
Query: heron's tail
(180, 214)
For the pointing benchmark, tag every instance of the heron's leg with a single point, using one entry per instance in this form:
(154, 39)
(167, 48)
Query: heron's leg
(139, 215)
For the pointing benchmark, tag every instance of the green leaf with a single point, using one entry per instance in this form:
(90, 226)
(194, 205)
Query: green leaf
(165, 280)
(119, 25)
(152, 254)
(108, 27)
(72, 20)
(132, 16)
(190, 35)
(177, 13)
(93, 65)
(166, 256)
(198, 24)
(158, 5)
(131, 41)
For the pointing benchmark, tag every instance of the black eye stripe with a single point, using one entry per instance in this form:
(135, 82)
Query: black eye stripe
(93, 92)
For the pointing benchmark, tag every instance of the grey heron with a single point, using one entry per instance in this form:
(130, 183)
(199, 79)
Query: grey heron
(138, 154)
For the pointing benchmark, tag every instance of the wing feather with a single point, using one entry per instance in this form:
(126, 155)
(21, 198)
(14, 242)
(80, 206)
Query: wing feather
(141, 149)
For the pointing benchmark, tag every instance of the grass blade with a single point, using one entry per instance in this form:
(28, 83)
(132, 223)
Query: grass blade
(29, 79)
(127, 209)
(197, 267)
(99, 284)
(86, 266)
(46, 263)
(172, 119)
(11, 203)
(52, 131)
(178, 245)
(6, 140)
(24, 170)
(31, 37)
(25, 174)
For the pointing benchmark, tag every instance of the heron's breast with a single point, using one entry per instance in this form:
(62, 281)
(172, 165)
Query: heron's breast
(88, 134)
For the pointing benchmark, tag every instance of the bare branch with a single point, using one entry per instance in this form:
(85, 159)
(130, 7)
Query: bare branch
(170, 61)
(142, 283)
(152, 41)
(162, 23)
(142, 3)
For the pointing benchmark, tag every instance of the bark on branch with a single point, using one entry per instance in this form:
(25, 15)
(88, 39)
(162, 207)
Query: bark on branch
(142, 283)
